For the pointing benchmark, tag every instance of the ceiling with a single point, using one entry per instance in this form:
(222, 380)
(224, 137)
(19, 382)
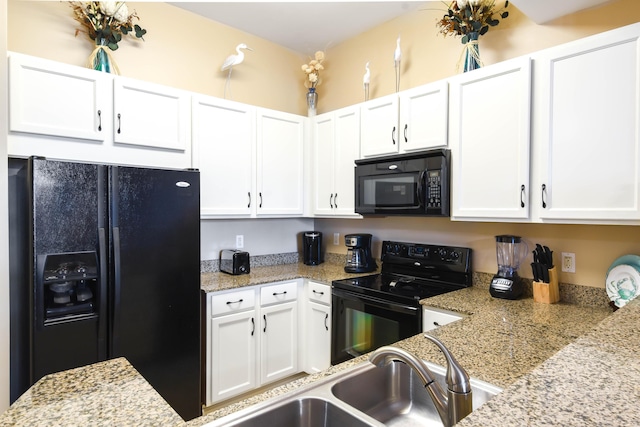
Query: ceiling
(305, 27)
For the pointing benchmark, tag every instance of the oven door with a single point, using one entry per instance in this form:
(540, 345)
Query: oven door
(362, 323)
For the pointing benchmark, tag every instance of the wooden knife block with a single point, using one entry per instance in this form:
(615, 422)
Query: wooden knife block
(547, 293)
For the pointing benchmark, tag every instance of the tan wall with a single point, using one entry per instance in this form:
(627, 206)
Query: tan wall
(429, 56)
(595, 246)
(180, 49)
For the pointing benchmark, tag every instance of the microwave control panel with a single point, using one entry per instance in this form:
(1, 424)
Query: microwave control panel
(434, 189)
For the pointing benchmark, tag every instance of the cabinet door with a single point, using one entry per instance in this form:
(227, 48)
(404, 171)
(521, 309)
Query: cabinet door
(318, 331)
(379, 126)
(423, 117)
(588, 99)
(323, 164)
(53, 99)
(489, 140)
(224, 152)
(279, 341)
(346, 151)
(280, 163)
(152, 118)
(233, 355)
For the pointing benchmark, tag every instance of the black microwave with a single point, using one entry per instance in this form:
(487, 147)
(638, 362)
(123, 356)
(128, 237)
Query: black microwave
(405, 184)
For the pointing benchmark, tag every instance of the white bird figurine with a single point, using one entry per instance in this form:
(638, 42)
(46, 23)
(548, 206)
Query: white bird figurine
(231, 61)
(366, 79)
(397, 58)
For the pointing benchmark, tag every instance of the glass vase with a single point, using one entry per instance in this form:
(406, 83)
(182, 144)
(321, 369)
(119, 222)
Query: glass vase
(472, 52)
(101, 61)
(312, 101)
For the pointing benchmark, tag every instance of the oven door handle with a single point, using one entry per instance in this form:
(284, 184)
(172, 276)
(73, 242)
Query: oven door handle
(377, 302)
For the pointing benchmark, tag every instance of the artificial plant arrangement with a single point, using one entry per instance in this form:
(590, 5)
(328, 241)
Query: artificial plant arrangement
(105, 22)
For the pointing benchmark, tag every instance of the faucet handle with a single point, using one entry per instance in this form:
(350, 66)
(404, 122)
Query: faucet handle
(457, 378)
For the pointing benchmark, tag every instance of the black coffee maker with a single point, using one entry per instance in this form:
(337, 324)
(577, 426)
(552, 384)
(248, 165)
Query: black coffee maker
(312, 247)
(359, 258)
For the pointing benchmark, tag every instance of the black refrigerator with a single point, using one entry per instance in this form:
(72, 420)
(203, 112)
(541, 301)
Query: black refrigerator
(105, 262)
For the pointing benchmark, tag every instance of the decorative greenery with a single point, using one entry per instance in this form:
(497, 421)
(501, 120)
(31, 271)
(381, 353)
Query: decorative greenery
(106, 22)
(312, 70)
(471, 16)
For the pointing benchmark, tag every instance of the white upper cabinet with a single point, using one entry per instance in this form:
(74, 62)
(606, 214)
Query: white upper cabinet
(49, 98)
(280, 157)
(379, 126)
(150, 115)
(489, 130)
(67, 112)
(224, 152)
(336, 145)
(587, 124)
(423, 117)
(411, 120)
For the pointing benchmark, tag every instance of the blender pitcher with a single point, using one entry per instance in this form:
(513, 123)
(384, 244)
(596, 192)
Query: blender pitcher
(510, 252)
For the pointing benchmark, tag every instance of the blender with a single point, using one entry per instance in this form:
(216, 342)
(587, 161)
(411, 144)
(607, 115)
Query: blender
(510, 251)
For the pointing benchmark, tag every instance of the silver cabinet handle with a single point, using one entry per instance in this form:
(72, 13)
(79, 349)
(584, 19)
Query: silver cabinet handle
(331, 200)
(522, 196)
(99, 121)
(249, 194)
(335, 200)
(544, 192)
(260, 195)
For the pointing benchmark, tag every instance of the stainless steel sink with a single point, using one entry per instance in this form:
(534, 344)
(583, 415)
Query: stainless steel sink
(303, 412)
(395, 395)
(363, 395)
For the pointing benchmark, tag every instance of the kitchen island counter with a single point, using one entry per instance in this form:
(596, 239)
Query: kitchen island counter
(110, 393)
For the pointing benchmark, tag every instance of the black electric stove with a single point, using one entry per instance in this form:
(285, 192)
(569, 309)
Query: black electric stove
(414, 271)
(381, 309)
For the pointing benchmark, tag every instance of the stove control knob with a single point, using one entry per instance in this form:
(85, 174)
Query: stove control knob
(442, 252)
(455, 255)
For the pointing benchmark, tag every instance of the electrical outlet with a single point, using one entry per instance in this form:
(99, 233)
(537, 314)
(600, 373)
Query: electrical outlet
(568, 262)
(239, 241)
(336, 239)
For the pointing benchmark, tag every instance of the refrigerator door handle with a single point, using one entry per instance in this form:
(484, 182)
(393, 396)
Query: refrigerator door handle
(102, 301)
(116, 292)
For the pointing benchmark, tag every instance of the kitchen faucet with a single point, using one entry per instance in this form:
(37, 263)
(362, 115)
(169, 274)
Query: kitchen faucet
(452, 406)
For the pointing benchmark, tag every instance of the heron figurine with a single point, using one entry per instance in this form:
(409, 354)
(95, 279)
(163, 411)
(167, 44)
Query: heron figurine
(366, 79)
(231, 61)
(397, 59)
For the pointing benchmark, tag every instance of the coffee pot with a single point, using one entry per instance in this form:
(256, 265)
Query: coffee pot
(359, 258)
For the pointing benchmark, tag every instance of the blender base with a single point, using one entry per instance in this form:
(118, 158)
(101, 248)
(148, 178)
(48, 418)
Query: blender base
(506, 288)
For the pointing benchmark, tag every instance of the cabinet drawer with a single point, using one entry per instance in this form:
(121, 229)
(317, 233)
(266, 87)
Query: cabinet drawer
(433, 318)
(280, 292)
(319, 292)
(232, 302)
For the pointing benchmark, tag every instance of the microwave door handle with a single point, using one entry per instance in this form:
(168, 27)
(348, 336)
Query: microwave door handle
(420, 189)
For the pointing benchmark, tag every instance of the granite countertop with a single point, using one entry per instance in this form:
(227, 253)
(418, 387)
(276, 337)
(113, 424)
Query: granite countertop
(110, 393)
(325, 272)
(558, 364)
(505, 343)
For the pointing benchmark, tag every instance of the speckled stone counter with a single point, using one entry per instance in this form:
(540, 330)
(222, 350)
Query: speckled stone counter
(325, 272)
(499, 341)
(110, 393)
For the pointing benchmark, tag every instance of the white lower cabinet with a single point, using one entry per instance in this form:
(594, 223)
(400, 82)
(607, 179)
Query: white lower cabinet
(316, 345)
(279, 342)
(252, 338)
